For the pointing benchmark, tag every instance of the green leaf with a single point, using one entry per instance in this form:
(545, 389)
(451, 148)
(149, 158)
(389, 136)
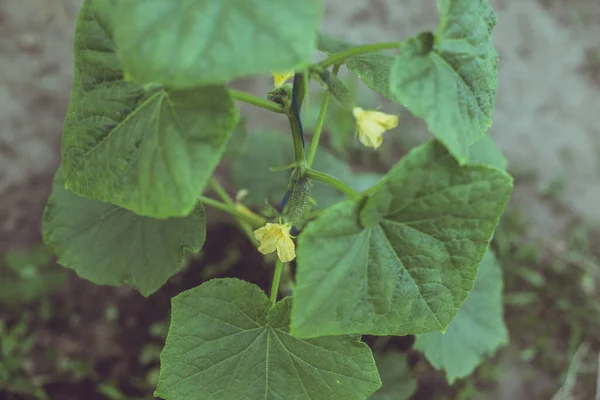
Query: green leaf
(225, 342)
(485, 151)
(266, 149)
(405, 261)
(451, 79)
(109, 245)
(366, 180)
(372, 68)
(143, 148)
(476, 332)
(237, 142)
(195, 42)
(398, 384)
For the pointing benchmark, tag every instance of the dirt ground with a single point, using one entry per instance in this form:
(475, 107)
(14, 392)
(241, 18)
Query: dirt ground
(545, 118)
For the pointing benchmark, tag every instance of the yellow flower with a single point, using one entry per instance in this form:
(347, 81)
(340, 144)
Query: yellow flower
(279, 78)
(276, 237)
(372, 125)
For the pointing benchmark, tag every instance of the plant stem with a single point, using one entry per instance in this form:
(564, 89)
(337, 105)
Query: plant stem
(216, 186)
(283, 167)
(340, 57)
(299, 156)
(314, 144)
(333, 182)
(257, 101)
(566, 390)
(253, 220)
(293, 113)
(276, 280)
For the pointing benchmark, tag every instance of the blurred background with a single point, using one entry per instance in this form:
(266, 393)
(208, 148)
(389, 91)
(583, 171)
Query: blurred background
(64, 338)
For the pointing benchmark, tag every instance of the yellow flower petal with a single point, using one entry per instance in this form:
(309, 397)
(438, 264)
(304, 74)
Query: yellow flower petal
(268, 237)
(371, 134)
(279, 78)
(260, 233)
(372, 125)
(358, 113)
(276, 237)
(286, 250)
(387, 121)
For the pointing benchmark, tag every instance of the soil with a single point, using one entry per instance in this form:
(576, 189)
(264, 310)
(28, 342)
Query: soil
(545, 121)
(80, 329)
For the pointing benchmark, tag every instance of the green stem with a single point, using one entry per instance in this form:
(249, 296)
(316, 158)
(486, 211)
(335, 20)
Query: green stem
(276, 280)
(299, 156)
(255, 221)
(333, 182)
(283, 167)
(340, 57)
(257, 101)
(314, 144)
(220, 191)
(293, 113)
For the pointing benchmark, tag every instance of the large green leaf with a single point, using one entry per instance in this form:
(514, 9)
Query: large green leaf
(477, 331)
(397, 382)
(250, 170)
(405, 261)
(485, 151)
(451, 79)
(226, 342)
(109, 245)
(144, 148)
(187, 43)
(237, 142)
(265, 149)
(372, 68)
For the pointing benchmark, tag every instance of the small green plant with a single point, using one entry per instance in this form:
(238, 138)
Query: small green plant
(551, 277)
(150, 119)
(16, 344)
(27, 277)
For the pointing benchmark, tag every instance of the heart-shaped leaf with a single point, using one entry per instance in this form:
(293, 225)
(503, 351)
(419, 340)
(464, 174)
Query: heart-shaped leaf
(405, 261)
(144, 148)
(226, 342)
(196, 42)
(110, 245)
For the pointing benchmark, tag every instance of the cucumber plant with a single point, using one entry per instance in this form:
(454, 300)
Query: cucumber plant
(151, 116)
